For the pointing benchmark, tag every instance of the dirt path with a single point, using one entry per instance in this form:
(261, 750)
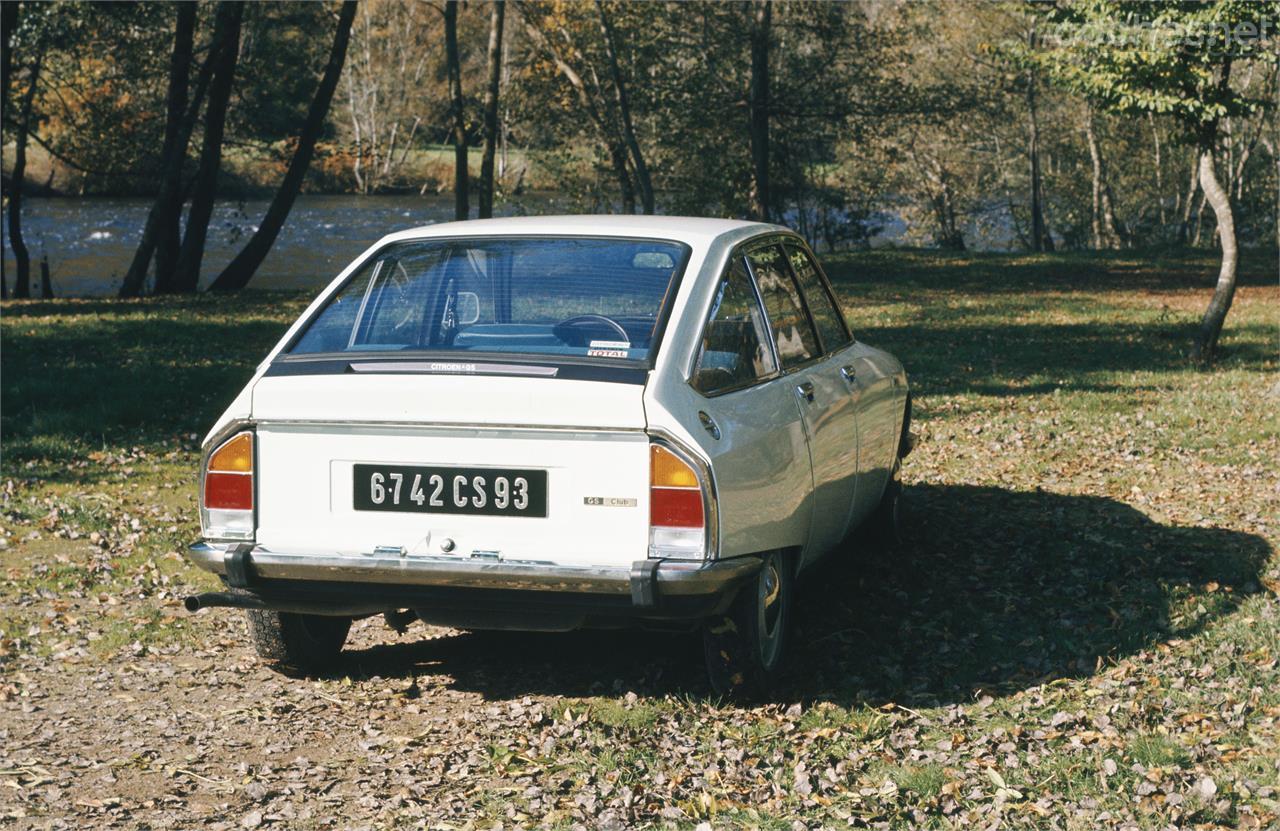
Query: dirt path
(175, 737)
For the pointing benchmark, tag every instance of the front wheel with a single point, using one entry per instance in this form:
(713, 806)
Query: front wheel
(885, 524)
(297, 644)
(744, 648)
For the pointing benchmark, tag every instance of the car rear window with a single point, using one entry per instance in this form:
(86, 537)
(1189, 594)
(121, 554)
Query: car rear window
(570, 297)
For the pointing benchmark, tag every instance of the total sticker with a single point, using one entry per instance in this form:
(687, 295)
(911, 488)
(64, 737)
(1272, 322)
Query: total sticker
(606, 353)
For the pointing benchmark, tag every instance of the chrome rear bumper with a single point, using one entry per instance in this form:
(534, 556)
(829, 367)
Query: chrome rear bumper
(663, 578)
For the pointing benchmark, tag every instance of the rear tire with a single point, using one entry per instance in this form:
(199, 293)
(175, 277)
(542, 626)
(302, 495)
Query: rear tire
(745, 647)
(297, 644)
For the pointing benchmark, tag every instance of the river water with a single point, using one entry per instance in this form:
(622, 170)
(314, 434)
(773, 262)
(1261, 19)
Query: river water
(91, 240)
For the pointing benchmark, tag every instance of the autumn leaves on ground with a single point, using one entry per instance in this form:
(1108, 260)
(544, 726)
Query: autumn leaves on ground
(1081, 630)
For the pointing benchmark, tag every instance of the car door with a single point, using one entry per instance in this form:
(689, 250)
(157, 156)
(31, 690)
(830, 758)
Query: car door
(872, 384)
(875, 382)
(759, 452)
(838, 369)
(822, 394)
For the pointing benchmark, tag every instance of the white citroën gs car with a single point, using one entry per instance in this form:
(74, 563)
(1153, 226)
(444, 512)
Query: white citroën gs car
(549, 423)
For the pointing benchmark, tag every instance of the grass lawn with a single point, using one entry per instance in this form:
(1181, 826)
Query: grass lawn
(1081, 630)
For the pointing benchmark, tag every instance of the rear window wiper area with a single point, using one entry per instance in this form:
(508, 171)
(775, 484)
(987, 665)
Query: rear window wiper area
(441, 367)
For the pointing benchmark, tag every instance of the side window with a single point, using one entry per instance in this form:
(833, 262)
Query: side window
(393, 311)
(331, 330)
(826, 316)
(792, 329)
(735, 348)
(397, 302)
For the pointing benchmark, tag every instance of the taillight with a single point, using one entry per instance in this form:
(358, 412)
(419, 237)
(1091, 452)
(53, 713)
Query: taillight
(226, 509)
(677, 518)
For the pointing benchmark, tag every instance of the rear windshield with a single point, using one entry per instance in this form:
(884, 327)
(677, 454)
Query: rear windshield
(589, 298)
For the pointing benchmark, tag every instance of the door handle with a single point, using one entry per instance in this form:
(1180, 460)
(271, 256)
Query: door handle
(805, 390)
(849, 373)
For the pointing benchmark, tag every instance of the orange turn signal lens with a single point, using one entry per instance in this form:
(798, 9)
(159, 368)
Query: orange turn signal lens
(234, 456)
(667, 470)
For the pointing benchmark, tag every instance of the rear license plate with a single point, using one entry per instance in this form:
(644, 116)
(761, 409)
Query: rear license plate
(450, 490)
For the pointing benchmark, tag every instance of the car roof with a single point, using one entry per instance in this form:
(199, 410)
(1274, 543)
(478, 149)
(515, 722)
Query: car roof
(692, 230)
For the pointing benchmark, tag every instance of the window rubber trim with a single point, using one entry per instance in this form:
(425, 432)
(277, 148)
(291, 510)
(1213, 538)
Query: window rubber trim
(647, 363)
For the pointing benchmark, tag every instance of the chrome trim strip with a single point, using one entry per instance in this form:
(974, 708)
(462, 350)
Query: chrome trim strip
(762, 236)
(364, 302)
(448, 425)
(675, 577)
(710, 494)
(239, 425)
(443, 367)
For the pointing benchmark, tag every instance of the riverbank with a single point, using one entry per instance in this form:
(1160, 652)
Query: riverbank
(255, 173)
(90, 242)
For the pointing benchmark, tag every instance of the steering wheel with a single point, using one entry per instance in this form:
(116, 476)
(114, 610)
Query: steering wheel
(565, 329)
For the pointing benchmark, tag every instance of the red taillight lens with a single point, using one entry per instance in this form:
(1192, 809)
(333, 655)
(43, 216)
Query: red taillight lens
(673, 508)
(228, 482)
(228, 491)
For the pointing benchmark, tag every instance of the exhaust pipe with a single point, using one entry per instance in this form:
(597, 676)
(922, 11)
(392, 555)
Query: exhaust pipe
(210, 600)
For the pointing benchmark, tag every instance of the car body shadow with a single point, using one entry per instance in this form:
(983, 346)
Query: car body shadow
(992, 591)
(996, 590)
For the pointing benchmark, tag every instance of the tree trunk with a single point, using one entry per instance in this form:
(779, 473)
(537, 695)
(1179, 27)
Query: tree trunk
(161, 231)
(8, 24)
(1155, 136)
(22, 282)
(608, 138)
(1107, 232)
(941, 201)
(461, 184)
(618, 157)
(186, 277)
(1184, 229)
(950, 238)
(1274, 151)
(242, 268)
(1199, 212)
(1112, 227)
(758, 94)
(1206, 344)
(1095, 192)
(624, 109)
(496, 16)
(46, 283)
(168, 234)
(1041, 240)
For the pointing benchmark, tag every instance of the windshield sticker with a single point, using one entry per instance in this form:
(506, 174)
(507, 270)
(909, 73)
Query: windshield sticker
(609, 344)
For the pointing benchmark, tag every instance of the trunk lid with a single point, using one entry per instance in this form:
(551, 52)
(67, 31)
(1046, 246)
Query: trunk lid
(324, 441)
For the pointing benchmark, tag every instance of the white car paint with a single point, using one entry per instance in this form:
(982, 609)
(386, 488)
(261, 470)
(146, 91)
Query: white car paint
(787, 474)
